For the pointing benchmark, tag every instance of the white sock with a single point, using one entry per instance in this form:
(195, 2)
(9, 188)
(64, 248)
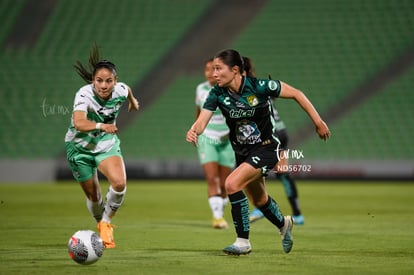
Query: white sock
(114, 200)
(225, 201)
(216, 205)
(241, 242)
(96, 208)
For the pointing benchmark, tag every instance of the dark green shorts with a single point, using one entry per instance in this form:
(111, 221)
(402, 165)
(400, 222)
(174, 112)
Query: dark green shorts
(263, 157)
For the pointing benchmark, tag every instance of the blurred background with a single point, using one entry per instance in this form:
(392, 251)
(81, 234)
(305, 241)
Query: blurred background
(354, 59)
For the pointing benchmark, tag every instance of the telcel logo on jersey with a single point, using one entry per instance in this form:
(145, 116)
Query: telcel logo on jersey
(241, 113)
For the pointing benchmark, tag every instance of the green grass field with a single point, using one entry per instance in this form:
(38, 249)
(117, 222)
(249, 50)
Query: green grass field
(164, 228)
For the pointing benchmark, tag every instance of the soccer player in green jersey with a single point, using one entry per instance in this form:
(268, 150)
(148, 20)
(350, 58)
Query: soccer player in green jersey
(92, 143)
(214, 151)
(244, 101)
(287, 180)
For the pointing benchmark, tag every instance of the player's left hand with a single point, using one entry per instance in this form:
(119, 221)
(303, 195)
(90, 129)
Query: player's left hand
(323, 130)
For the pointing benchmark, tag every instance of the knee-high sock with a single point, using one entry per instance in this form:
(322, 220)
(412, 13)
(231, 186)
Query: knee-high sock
(96, 208)
(114, 200)
(240, 214)
(272, 212)
(291, 192)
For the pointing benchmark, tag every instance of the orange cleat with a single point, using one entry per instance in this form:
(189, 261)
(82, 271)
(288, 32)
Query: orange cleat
(106, 233)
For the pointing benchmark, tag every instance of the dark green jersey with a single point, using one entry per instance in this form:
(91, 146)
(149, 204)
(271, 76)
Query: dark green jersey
(247, 113)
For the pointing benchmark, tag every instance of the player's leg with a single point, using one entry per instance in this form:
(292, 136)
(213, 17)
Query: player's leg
(257, 193)
(224, 172)
(94, 201)
(261, 199)
(270, 209)
(287, 180)
(208, 153)
(226, 165)
(226, 161)
(235, 183)
(84, 171)
(215, 199)
(113, 169)
(111, 165)
(291, 191)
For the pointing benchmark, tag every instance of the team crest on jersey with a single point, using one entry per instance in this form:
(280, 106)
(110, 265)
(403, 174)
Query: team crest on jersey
(252, 99)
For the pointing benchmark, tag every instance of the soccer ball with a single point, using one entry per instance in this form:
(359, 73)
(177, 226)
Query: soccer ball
(85, 247)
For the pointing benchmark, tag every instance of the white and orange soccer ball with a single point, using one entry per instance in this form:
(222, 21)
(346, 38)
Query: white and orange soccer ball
(85, 247)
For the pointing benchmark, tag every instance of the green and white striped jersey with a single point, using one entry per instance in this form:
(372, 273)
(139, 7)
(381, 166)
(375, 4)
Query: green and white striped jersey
(216, 128)
(98, 110)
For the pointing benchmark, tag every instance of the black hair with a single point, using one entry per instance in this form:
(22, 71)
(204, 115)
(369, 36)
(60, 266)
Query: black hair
(231, 58)
(248, 67)
(87, 74)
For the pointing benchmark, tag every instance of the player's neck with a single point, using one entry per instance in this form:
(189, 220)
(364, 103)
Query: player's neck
(234, 86)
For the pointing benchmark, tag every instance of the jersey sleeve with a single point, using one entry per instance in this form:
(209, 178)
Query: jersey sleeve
(265, 87)
(122, 89)
(273, 87)
(81, 101)
(211, 101)
(198, 96)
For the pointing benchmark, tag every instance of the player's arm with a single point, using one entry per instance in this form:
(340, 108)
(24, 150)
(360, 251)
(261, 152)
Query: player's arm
(133, 102)
(288, 91)
(83, 124)
(199, 125)
(197, 113)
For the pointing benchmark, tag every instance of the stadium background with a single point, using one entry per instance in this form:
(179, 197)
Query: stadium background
(353, 59)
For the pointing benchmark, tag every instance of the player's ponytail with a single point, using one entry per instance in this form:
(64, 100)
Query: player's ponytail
(94, 64)
(248, 67)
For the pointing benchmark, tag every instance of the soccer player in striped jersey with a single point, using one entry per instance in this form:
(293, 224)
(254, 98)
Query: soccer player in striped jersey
(214, 151)
(244, 102)
(91, 140)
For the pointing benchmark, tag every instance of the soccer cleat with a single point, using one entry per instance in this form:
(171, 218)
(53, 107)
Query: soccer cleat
(255, 215)
(286, 234)
(237, 250)
(219, 223)
(106, 233)
(298, 220)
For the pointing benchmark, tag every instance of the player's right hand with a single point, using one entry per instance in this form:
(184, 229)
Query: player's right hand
(192, 136)
(109, 128)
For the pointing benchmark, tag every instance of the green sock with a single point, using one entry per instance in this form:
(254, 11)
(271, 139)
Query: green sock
(240, 214)
(272, 212)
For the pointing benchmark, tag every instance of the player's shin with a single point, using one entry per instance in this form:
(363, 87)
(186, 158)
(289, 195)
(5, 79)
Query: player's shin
(114, 200)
